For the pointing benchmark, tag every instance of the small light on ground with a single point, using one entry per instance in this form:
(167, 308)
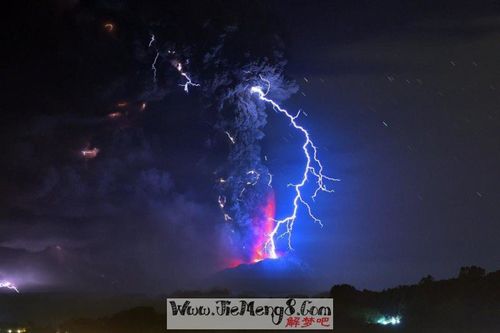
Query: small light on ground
(389, 320)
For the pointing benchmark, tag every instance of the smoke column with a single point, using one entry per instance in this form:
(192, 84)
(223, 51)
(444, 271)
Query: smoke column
(243, 182)
(231, 84)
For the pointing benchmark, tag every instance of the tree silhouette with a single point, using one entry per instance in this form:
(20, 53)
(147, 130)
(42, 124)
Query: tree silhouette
(471, 273)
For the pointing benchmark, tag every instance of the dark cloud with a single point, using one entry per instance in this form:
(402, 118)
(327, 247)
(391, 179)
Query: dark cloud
(118, 209)
(144, 211)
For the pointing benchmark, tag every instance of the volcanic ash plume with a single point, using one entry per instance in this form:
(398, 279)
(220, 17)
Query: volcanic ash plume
(244, 181)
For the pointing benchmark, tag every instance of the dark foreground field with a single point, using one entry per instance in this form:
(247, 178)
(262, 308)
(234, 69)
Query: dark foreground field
(467, 303)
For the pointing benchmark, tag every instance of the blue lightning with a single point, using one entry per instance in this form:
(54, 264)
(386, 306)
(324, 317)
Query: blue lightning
(313, 167)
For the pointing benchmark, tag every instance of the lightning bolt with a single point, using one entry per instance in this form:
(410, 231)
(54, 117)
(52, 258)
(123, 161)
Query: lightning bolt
(178, 66)
(153, 65)
(9, 285)
(152, 40)
(231, 138)
(313, 168)
(270, 179)
(188, 82)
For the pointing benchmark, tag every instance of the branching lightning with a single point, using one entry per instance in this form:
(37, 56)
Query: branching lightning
(188, 82)
(8, 285)
(177, 64)
(313, 168)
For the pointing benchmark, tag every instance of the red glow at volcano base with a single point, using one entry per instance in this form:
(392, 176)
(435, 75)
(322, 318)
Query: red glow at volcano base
(262, 226)
(235, 263)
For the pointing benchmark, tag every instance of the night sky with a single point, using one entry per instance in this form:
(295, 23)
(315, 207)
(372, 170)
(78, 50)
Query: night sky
(402, 100)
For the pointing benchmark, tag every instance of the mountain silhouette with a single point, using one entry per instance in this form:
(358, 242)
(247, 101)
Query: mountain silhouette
(270, 277)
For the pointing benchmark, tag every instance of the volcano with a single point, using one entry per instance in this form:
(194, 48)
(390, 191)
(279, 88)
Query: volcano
(284, 276)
